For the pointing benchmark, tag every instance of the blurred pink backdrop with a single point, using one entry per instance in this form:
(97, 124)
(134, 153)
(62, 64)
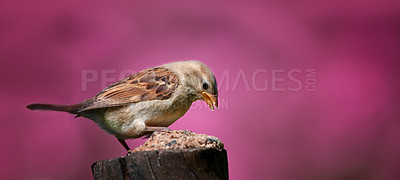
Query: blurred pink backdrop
(265, 54)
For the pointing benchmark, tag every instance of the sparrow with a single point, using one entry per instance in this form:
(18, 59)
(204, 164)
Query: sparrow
(148, 101)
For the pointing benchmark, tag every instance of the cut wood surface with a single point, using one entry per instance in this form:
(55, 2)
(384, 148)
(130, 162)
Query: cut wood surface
(169, 155)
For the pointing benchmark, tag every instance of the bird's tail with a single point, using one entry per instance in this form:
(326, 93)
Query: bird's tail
(55, 107)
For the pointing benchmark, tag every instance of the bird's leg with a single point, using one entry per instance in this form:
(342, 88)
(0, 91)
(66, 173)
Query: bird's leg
(152, 128)
(125, 145)
(149, 129)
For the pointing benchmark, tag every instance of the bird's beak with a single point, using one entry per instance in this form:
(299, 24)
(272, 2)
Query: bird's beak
(211, 100)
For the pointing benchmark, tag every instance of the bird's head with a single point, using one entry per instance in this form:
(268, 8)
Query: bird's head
(199, 81)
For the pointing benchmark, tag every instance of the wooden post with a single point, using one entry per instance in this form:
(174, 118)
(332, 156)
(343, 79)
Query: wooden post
(183, 163)
(194, 163)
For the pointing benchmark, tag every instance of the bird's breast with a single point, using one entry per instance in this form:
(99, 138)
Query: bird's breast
(162, 114)
(157, 113)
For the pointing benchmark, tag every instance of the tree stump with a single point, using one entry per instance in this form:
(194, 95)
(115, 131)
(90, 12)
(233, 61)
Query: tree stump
(169, 155)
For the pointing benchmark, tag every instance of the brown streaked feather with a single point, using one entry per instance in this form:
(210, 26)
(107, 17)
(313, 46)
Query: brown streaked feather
(150, 84)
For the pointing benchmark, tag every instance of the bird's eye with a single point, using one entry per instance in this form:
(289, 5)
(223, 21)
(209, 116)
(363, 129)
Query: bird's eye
(205, 85)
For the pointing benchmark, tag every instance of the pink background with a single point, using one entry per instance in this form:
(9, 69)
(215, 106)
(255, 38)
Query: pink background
(347, 129)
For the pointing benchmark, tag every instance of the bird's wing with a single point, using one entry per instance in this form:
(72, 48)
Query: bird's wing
(150, 84)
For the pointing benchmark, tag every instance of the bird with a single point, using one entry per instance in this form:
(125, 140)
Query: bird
(145, 102)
